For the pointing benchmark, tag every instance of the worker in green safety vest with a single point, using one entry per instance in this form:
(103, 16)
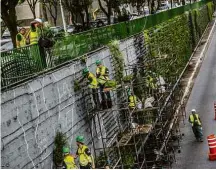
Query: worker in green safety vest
(102, 74)
(195, 121)
(20, 38)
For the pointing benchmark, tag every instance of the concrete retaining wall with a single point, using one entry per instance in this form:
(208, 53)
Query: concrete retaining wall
(35, 110)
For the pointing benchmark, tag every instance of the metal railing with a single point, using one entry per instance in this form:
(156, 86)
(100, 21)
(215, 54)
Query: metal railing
(20, 63)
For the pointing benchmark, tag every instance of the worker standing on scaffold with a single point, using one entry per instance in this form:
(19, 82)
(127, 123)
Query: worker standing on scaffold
(86, 160)
(133, 100)
(102, 74)
(92, 84)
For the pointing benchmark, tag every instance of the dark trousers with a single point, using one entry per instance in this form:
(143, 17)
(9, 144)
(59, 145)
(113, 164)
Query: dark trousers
(106, 100)
(43, 56)
(197, 132)
(96, 98)
(86, 167)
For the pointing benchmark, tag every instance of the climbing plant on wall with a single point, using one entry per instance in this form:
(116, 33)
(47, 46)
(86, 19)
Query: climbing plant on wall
(118, 60)
(59, 142)
(170, 43)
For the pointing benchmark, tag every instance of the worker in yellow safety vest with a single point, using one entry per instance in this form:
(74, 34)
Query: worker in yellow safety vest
(20, 38)
(102, 74)
(150, 82)
(92, 84)
(69, 161)
(133, 100)
(86, 160)
(35, 31)
(195, 121)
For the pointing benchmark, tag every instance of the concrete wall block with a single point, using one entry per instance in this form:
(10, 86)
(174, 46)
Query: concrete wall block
(50, 96)
(61, 74)
(9, 126)
(36, 84)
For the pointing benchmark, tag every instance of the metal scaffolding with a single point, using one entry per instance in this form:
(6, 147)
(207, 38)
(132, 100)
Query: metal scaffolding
(140, 137)
(136, 135)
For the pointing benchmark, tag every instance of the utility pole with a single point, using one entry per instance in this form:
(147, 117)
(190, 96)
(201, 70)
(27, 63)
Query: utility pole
(63, 17)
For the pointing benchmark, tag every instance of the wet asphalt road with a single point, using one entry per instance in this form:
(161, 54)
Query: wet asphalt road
(194, 155)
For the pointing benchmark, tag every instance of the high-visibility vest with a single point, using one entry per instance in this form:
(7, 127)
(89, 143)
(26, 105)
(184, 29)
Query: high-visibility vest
(132, 101)
(34, 36)
(69, 161)
(103, 77)
(150, 82)
(84, 159)
(22, 43)
(92, 81)
(191, 119)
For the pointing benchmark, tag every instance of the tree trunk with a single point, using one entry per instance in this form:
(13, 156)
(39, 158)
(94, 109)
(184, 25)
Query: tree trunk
(56, 14)
(9, 18)
(87, 17)
(44, 11)
(54, 21)
(34, 15)
(109, 14)
(158, 4)
(152, 7)
(104, 11)
(183, 2)
(82, 18)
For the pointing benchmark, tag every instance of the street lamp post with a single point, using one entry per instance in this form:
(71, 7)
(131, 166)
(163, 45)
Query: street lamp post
(63, 17)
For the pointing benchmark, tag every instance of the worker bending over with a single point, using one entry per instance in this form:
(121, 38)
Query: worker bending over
(92, 84)
(102, 74)
(69, 162)
(86, 160)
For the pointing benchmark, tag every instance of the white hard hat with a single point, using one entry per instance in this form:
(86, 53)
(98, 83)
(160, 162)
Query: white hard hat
(193, 110)
(38, 20)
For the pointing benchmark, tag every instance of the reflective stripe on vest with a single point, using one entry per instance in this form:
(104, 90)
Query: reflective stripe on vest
(22, 42)
(101, 70)
(92, 81)
(103, 77)
(132, 100)
(70, 163)
(33, 37)
(84, 159)
(197, 119)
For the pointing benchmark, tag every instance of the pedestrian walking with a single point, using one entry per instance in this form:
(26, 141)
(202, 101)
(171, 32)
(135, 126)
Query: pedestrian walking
(195, 121)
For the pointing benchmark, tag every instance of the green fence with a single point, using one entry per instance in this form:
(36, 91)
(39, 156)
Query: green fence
(79, 44)
(19, 64)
